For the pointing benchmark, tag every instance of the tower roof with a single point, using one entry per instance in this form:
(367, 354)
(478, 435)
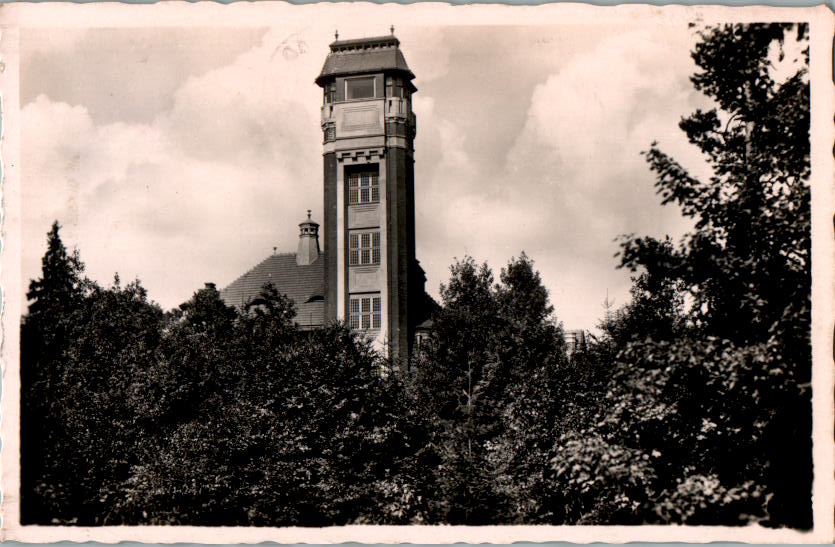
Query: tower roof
(363, 55)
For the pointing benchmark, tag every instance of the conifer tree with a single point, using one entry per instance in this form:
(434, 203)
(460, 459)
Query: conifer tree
(54, 303)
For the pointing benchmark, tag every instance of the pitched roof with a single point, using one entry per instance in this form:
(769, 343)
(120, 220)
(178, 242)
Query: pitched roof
(305, 285)
(364, 55)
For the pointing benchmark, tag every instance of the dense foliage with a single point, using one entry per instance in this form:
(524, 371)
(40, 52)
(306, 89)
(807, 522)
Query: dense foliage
(692, 405)
(709, 397)
(206, 415)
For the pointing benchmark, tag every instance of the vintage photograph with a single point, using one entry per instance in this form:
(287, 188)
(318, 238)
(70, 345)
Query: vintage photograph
(319, 270)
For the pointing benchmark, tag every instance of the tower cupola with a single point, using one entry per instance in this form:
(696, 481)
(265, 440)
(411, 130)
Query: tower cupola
(308, 250)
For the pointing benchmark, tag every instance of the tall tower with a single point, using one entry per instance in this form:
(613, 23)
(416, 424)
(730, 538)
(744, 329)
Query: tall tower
(372, 278)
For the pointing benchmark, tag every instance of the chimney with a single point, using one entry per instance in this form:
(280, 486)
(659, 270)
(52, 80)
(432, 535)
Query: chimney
(308, 250)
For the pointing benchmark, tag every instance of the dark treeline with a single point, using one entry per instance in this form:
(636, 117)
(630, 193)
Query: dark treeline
(691, 405)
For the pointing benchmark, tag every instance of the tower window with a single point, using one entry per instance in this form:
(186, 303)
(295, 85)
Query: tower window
(363, 187)
(359, 88)
(366, 312)
(364, 248)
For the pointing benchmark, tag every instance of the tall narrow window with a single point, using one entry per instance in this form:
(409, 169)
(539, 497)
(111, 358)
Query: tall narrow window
(354, 250)
(363, 186)
(376, 313)
(364, 248)
(375, 247)
(366, 312)
(355, 313)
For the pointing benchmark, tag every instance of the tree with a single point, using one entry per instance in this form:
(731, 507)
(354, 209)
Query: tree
(106, 413)
(46, 335)
(531, 348)
(487, 385)
(746, 265)
(449, 386)
(269, 425)
(733, 386)
(61, 284)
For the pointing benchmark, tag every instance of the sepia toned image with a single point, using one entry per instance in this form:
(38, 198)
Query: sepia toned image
(416, 273)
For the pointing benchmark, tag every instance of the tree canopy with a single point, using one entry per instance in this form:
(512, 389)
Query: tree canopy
(691, 404)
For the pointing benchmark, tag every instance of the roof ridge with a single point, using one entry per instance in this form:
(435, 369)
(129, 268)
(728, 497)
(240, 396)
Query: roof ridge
(385, 39)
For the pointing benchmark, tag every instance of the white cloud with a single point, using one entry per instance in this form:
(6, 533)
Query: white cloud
(580, 149)
(428, 52)
(574, 178)
(206, 188)
(199, 194)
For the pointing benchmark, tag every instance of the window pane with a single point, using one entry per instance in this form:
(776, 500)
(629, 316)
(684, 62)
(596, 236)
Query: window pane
(366, 257)
(375, 246)
(366, 240)
(376, 305)
(366, 305)
(355, 322)
(366, 321)
(354, 241)
(354, 258)
(375, 187)
(376, 320)
(364, 186)
(360, 88)
(355, 305)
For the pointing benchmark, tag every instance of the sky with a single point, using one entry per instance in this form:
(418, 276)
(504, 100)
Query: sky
(181, 156)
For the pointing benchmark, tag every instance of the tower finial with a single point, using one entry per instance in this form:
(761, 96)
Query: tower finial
(336, 34)
(308, 214)
(392, 30)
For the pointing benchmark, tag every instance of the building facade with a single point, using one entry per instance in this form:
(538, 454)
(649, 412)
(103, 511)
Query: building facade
(368, 274)
(369, 129)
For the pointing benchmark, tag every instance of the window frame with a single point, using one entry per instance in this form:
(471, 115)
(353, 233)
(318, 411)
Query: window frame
(364, 247)
(363, 182)
(358, 79)
(365, 312)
